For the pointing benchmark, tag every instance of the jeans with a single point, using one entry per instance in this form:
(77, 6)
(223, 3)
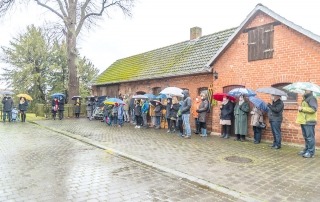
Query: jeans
(144, 117)
(308, 135)
(196, 120)
(133, 116)
(115, 119)
(5, 115)
(120, 122)
(126, 115)
(157, 121)
(276, 132)
(257, 133)
(186, 123)
(138, 120)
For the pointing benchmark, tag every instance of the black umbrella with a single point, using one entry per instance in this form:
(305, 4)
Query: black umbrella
(76, 97)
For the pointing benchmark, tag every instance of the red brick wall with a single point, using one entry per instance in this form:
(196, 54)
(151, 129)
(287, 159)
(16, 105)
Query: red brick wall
(193, 83)
(296, 58)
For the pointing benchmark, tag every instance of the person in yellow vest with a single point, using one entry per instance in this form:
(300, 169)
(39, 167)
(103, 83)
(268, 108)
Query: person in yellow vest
(307, 118)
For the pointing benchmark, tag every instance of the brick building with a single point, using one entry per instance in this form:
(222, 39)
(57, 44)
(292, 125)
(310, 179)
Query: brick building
(265, 50)
(268, 50)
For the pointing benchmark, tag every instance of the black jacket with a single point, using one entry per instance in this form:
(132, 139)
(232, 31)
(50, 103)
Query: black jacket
(61, 104)
(157, 110)
(174, 110)
(275, 111)
(226, 111)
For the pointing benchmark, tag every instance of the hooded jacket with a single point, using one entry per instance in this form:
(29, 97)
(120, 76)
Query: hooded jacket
(186, 105)
(308, 114)
(7, 104)
(275, 110)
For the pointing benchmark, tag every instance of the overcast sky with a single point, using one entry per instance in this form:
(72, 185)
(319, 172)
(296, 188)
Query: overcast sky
(158, 23)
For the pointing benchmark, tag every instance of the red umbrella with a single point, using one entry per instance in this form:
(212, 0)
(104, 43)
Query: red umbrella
(219, 96)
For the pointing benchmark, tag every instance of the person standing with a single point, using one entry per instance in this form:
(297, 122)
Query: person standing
(225, 117)
(61, 107)
(126, 109)
(89, 106)
(115, 114)
(168, 107)
(152, 115)
(137, 113)
(23, 106)
(144, 112)
(77, 107)
(202, 111)
(241, 111)
(195, 114)
(55, 107)
(120, 115)
(173, 114)
(186, 105)
(131, 108)
(7, 108)
(307, 118)
(256, 119)
(157, 114)
(275, 119)
(180, 121)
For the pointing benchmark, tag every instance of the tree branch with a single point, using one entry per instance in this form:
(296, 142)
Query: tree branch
(52, 10)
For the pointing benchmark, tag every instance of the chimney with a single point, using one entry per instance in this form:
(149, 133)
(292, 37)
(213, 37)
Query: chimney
(195, 32)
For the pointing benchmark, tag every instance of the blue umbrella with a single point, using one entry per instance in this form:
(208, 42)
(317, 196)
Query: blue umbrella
(260, 104)
(161, 96)
(150, 96)
(113, 101)
(241, 91)
(57, 95)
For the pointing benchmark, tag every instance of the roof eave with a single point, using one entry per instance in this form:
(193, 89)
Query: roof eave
(272, 14)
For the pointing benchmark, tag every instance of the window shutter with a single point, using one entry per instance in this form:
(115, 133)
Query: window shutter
(268, 37)
(252, 45)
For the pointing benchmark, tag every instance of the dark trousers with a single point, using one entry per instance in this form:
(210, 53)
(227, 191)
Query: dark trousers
(196, 120)
(225, 130)
(308, 135)
(6, 114)
(23, 116)
(276, 132)
(138, 120)
(257, 133)
(158, 119)
(180, 126)
(172, 125)
(60, 114)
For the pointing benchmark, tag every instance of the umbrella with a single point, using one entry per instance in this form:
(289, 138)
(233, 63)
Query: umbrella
(150, 96)
(153, 102)
(111, 101)
(28, 97)
(172, 91)
(219, 96)
(161, 96)
(241, 91)
(260, 104)
(6, 92)
(301, 87)
(58, 95)
(140, 97)
(272, 91)
(75, 97)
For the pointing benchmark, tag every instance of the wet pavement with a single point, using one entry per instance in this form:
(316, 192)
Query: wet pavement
(37, 164)
(254, 170)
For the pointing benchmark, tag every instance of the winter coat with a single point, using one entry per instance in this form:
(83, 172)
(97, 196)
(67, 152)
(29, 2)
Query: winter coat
(7, 104)
(174, 111)
(195, 106)
(131, 104)
(226, 111)
(256, 117)
(202, 111)
(61, 104)
(275, 111)
(55, 105)
(145, 108)
(137, 110)
(308, 114)
(241, 118)
(127, 104)
(89, 105)
(186, 105)
(179, 115)
(23, 106)
(157, 110)
(120, 112)
(168, 107)
(77, 107)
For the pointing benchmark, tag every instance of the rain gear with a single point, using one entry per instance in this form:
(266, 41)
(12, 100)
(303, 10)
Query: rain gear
(308, 114)
(202, 110)
(7, 104)
(241, 118)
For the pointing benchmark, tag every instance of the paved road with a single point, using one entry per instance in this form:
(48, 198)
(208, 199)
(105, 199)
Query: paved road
(37, 164)
(254, 170)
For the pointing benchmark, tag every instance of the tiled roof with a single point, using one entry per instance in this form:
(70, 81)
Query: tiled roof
(188, 57)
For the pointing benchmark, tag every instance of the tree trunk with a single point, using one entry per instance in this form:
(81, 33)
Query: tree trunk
(73, 86)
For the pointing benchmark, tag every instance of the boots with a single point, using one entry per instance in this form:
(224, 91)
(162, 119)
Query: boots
(223, 131)
(237, 138)
(197, 128)
(243, 138)
(228, 128)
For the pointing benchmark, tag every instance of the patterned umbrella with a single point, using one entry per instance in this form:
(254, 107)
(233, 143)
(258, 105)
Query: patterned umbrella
(260, 104)
(272, 91)
(113, 101)
(301, 87)
(241, 91)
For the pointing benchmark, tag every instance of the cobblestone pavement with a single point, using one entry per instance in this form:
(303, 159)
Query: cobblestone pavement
(272, 175)
(37, 164)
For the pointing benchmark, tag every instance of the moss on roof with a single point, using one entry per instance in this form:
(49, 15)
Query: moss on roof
(188, 57)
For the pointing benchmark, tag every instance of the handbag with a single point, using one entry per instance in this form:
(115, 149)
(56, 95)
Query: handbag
(261, 125)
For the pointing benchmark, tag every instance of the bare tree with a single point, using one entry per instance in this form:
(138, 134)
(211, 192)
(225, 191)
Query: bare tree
(74, 15)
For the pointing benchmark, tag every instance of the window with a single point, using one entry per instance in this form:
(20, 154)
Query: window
(260, 43)
(292, 97)
(203, 90)
(156, 90)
